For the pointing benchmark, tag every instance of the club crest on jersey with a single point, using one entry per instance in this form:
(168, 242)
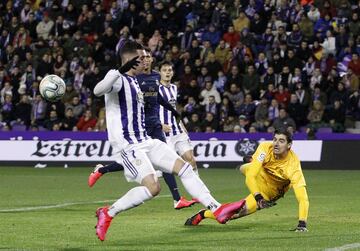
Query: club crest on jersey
(138, 162)
(172, 102)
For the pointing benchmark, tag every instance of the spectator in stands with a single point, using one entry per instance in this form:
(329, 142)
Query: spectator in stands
(7, 109)
(282, 96)
(212, 107)
(236, 96)
(77, 107)
(69, 122)
(87, 122)
(283, 121)
(251, 81)
(315, 116)
(336, 116)
(194, 124)
(273, 110)
(247, 108)
(38, 111)
(209, 122)
(209, 90)
(317, 94)
(43, 28)
(231, 37)
(244, 124)
(261, 115)
(241, 22)
(354, 64)
(229, 124)
(52, 120)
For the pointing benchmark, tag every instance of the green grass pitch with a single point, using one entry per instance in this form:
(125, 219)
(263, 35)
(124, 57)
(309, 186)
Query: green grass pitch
(334, 214)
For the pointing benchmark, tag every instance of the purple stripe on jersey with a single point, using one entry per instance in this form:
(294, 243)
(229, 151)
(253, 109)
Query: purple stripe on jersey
(135, 112)
(173, 122)
(124, 117)
(128, 164)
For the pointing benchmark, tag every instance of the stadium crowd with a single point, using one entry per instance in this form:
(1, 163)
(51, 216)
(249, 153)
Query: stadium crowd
(240, 66)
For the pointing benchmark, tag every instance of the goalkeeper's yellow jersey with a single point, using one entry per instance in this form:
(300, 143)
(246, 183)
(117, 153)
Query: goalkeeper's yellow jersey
(281, 173)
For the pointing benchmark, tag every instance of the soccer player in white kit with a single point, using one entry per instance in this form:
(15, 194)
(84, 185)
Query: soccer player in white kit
(176, 134)
(137, 152)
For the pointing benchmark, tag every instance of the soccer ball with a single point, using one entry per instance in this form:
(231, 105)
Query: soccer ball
(52, 88)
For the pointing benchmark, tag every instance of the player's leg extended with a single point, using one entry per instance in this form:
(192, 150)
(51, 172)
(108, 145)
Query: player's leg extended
(100, 170)
(157, 133)
(165, 158)
(169, 178)
(188, 156)
(249, 208)
(184, 148)
(137, 168)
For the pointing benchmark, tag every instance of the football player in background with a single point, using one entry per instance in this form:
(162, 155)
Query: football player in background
(176, 134)
(273, 170)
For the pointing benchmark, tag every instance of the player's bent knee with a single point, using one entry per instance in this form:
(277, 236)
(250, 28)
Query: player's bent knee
(179, 163)
(152, 184)
(154, 188)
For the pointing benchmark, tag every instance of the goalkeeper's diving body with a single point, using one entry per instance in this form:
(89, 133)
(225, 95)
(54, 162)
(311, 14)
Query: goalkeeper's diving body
(273, 169)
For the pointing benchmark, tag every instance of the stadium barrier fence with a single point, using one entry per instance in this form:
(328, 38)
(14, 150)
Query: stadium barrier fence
(225, 150)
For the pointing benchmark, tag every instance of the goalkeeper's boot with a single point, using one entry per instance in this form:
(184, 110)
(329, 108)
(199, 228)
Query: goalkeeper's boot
(95, 175)
(103, 223)
(196, 219)
(182, 203)
(226, 211)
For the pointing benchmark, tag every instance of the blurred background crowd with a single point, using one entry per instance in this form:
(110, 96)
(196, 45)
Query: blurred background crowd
(240, 65)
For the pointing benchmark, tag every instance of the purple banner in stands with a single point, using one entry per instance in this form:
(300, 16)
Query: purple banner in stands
(194, 136)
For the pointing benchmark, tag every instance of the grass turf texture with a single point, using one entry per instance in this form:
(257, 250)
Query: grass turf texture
(334, 214)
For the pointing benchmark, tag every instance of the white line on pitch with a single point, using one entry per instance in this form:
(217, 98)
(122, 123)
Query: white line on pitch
(345, 247)
(35, 208)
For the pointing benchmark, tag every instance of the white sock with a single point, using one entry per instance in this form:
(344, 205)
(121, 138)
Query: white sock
(132, 198)
(194, 186)
(196, 171)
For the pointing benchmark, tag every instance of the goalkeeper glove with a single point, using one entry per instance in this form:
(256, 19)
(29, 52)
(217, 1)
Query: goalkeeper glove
(262, 203)
(129, 65)
(301, 227)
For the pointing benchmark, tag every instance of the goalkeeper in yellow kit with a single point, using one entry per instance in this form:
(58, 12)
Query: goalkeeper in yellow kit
(272, 170)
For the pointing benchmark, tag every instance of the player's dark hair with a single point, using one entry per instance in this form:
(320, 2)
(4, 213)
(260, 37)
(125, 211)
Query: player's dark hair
(166, 63)
(130, 47)
(285, 132)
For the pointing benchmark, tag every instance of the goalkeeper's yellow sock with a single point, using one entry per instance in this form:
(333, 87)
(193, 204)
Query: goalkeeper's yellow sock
(209, 214)
(250, 207)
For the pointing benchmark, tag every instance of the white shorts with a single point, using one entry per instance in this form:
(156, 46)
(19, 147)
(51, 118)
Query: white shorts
(140, 159)
(180, 143)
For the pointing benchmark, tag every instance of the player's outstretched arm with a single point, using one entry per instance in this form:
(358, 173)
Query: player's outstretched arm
(303, 200)
(106, 85)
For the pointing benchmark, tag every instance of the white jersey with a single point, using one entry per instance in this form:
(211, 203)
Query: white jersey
(170, 95)
(125, 113)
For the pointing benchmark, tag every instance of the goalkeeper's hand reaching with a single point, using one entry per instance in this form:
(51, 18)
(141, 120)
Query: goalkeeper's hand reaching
(262, 203)
(131, 64)
(301, 227)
